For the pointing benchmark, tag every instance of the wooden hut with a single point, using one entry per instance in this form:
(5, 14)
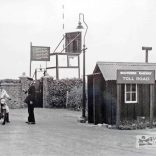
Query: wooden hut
(121, 91)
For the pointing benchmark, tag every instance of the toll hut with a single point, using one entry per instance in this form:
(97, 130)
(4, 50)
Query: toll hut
(121, 91)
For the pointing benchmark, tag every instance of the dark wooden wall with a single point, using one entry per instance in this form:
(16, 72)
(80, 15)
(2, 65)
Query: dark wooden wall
(102, 101)
(95, 99)
(98, 108)
(109, 96)
(90, 99)
(130, 111)
(154, 106)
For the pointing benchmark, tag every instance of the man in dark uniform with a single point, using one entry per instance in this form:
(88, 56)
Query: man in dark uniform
(30, 100)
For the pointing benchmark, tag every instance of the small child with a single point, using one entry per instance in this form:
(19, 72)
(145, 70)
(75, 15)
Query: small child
(4, 107)
(5, 111)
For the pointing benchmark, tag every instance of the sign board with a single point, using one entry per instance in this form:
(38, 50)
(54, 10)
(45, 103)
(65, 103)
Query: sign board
(39, 53)
(73, 42)
(146, 141)
(135, 76)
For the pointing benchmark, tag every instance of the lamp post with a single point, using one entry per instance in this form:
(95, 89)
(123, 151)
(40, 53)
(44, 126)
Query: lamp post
(83, 118)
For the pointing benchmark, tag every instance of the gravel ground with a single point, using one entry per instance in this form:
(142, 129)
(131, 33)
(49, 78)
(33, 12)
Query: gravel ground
(58, 133)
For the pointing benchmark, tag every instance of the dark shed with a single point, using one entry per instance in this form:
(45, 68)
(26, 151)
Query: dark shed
(134, 98)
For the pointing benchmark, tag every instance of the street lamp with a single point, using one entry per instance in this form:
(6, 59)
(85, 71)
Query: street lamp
(83, 118)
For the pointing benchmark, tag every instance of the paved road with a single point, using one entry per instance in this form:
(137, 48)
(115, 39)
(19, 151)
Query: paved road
(58, 133)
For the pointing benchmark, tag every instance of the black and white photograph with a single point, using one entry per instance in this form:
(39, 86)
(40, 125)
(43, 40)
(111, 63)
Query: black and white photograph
(78, 77)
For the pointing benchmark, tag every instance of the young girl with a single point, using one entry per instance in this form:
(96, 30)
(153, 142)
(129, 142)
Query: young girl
(5, 111)
(4, 106)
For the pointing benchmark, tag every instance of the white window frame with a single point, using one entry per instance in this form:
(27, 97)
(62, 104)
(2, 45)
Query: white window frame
(125, 93)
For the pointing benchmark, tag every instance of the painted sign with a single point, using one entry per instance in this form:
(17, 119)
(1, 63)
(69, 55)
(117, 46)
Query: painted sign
(146, 141)
(135, 76)
(73, 42)
(39, 53)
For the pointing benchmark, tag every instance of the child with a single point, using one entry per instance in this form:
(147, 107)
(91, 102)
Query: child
(5, 111)
(4, 106)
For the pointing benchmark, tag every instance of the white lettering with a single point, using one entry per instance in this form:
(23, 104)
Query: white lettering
(145, 73)
(128, 73)
(142, 78)
(128, 78)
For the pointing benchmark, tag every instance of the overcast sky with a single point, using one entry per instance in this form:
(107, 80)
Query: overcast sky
(117, 30)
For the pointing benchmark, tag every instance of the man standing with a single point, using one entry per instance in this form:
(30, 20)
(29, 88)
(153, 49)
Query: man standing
(30, 100)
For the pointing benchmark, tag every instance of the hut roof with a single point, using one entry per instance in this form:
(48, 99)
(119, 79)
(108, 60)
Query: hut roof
(109, 69)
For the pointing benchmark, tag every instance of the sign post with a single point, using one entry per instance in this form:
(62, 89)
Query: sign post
(151, 104)
(39, 53)
(146, 49)
(30, 58)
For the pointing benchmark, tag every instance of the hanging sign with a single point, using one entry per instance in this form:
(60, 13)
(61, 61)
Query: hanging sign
(73, 42)
(39, 53)
(135, 76)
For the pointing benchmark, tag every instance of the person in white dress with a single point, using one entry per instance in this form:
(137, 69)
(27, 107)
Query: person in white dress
(4, 107)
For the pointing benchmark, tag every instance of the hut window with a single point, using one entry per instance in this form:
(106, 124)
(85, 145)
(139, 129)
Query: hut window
(130, 93)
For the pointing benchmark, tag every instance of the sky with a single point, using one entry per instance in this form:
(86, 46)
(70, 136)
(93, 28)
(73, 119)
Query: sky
(117, 30)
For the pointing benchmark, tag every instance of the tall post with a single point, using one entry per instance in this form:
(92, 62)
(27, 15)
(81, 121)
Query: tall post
(84, 85)
(146, 54)
(146, 58)
(57, 72)
(35, 74)
(79, 66)
(30, 57)
(83, 119)
(151, 104)
(46, 66)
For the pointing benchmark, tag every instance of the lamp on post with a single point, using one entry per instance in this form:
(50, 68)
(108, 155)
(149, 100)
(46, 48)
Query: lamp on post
(83, 118)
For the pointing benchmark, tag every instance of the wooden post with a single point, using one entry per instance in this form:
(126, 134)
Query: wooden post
(46, 66)
(67, 96)
(35, 74)
(151, 104)
(94, 118)
(146, 54)
(30, 57)
(118, 105)
(57, 72)
(67, 60)
(79, 66)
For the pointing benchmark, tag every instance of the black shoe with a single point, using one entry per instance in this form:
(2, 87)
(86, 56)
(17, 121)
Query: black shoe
(32, 123)
(27, 122)
(3, 123)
